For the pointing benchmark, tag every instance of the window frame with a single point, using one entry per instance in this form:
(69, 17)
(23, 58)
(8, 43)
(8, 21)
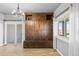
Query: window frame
(64, 27)
(61, 22)
(66, 32)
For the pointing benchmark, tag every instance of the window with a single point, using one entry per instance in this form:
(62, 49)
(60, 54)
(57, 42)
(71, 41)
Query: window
(63, 28)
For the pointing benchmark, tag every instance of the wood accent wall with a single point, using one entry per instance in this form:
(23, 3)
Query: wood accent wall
(38, 30)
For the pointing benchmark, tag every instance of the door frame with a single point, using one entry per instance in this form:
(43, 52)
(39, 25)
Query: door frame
(15, 23)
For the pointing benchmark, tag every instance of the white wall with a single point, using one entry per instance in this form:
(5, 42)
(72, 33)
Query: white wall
(55, 31)
(1, 29)
(1, 17)
(60, 43)
(70, 48)
(74, 30)
(13, 17)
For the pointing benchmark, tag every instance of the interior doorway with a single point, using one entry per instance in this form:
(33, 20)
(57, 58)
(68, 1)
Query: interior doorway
(13, 32)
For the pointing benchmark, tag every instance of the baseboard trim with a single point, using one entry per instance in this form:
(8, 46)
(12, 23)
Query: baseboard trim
(59, 52)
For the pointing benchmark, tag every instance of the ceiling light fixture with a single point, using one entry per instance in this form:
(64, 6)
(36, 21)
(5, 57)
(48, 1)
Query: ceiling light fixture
(18, 11)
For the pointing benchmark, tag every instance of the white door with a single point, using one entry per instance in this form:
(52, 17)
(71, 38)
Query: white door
(19, 33)
(14, 32)
(10, 33)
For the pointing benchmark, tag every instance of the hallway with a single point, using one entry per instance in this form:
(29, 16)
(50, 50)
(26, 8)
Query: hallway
(17, 50)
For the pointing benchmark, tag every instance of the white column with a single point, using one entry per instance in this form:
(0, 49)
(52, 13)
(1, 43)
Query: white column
(55, 32)
(23, 32)
(5, 33)
(15, 33)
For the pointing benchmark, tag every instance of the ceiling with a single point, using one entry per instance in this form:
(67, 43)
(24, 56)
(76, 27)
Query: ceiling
(7, 8)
